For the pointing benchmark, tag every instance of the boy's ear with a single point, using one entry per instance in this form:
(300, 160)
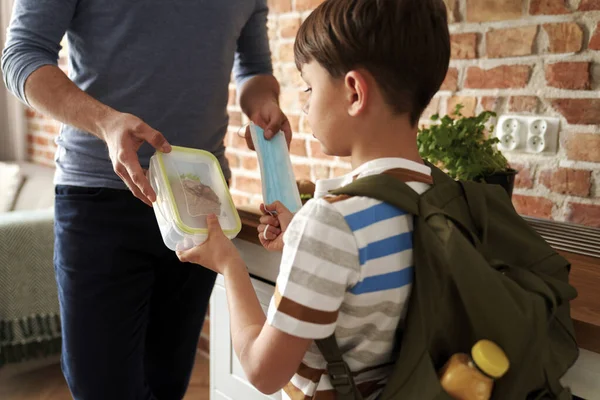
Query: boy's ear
(357, 92)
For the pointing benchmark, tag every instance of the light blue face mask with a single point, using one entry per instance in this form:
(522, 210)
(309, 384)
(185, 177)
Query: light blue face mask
(278, 180)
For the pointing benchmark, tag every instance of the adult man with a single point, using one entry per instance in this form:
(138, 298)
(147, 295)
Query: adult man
(144, 74)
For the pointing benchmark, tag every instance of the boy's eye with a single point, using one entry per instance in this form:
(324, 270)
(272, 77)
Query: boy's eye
(307, 90)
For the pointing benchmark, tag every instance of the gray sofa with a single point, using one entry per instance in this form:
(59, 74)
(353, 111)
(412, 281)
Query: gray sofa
(29, 311)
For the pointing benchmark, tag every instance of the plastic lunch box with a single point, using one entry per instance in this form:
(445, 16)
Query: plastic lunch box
(190, 185)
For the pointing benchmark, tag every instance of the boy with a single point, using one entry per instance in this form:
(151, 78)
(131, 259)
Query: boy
(372, 66)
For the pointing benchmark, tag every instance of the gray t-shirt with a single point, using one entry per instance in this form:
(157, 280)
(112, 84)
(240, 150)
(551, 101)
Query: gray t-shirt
(168, 62)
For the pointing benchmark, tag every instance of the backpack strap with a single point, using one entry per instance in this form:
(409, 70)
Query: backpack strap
(340, 375)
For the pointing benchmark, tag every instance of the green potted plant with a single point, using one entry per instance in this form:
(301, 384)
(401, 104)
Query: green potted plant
(466, 149)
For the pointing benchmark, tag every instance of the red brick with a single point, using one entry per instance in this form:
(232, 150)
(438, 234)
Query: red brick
(452, 7)
(579, 111)
(280, 6)
(38, 140)
(489, 103)
(595, 40)
(451, 81)
(494, 10)
(304, 128)
(469, 104)
(294, 121)
(464, 45)
(523, 104)
(290, 76)
(502, 77)
(548, 7)
(432, 108)
(301, 171)
(569, 75)
(583, 147)
(564, 37)
(524, 178)
(237, 141)
(539, 207)
(232, 100)
(285, 52)
(574, 182)
(589, 5)
(240, 200)
(298, 147)
(288, 27)
(52, 127)
(289, 99)
(511, 42)
(584, 214)
(248, 185)
(235, 118)
(307, 5)
(249, 163)
(30, 113)
(233, 159)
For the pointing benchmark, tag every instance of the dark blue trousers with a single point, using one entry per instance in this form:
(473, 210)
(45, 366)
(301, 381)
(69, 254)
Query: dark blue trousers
(131, 311)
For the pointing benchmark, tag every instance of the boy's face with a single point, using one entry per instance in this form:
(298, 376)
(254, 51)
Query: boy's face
(326, 110)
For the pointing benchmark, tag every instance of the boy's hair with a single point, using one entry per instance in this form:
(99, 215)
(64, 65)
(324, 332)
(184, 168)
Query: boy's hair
(404, 44)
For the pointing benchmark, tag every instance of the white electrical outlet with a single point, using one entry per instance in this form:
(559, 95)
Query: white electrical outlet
(536, 135)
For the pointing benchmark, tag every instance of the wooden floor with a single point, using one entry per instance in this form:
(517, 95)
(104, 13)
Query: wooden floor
(47, 383)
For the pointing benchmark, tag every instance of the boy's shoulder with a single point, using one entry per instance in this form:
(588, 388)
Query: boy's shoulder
(357, 212)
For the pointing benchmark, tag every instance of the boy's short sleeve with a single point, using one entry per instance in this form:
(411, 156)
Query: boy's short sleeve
(319, 263)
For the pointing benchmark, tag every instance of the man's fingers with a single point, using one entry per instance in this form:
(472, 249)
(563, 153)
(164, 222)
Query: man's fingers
(287, 131)
(248, 137)
(139, 179)
(156, 139)
(132, 187)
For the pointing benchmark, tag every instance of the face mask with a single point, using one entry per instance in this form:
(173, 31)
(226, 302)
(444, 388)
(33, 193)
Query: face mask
(278, 180)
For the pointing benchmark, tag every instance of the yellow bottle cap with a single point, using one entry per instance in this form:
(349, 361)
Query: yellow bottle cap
(490, 358)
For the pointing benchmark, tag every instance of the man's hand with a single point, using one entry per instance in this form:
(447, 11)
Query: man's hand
(270, 117)
(124, 134)
(273, 224)
(259, 99)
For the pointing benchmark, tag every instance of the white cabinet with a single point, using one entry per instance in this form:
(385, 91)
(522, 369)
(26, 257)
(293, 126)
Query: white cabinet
(227, 379)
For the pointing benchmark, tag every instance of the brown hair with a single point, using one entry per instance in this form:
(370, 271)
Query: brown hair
(404, 44)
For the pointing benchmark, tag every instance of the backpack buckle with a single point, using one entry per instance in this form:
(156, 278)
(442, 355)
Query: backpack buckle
(340, 377)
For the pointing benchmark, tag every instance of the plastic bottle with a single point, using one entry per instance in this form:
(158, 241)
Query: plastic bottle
(472, 378)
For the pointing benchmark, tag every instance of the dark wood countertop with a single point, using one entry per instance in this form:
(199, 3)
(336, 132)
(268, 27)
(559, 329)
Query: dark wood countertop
(585, 276)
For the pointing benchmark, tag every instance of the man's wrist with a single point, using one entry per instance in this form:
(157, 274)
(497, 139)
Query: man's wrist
(258, 91)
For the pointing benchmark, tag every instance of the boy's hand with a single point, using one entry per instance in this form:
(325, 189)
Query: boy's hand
(273, 225)
(218, 253)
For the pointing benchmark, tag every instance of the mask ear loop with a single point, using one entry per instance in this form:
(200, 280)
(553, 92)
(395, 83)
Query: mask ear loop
(244, 127)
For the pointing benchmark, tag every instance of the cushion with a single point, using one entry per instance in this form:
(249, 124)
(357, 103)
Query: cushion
(11, 180)
(37, 191)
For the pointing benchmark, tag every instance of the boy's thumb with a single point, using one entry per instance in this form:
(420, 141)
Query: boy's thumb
(213, 224)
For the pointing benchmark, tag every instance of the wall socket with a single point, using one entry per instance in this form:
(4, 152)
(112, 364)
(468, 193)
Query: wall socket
(534, 135)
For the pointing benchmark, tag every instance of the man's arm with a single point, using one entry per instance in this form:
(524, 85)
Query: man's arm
(253, 71)
(29, 66)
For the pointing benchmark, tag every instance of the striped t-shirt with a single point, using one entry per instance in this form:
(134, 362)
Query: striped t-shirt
(347, 267)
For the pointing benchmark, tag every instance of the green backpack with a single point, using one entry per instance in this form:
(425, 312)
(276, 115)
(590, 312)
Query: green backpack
(480, 273)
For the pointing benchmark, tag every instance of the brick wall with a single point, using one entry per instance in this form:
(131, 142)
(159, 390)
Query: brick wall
(510, 56)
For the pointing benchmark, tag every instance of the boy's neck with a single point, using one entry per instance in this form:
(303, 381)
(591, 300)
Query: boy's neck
(394, 138)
